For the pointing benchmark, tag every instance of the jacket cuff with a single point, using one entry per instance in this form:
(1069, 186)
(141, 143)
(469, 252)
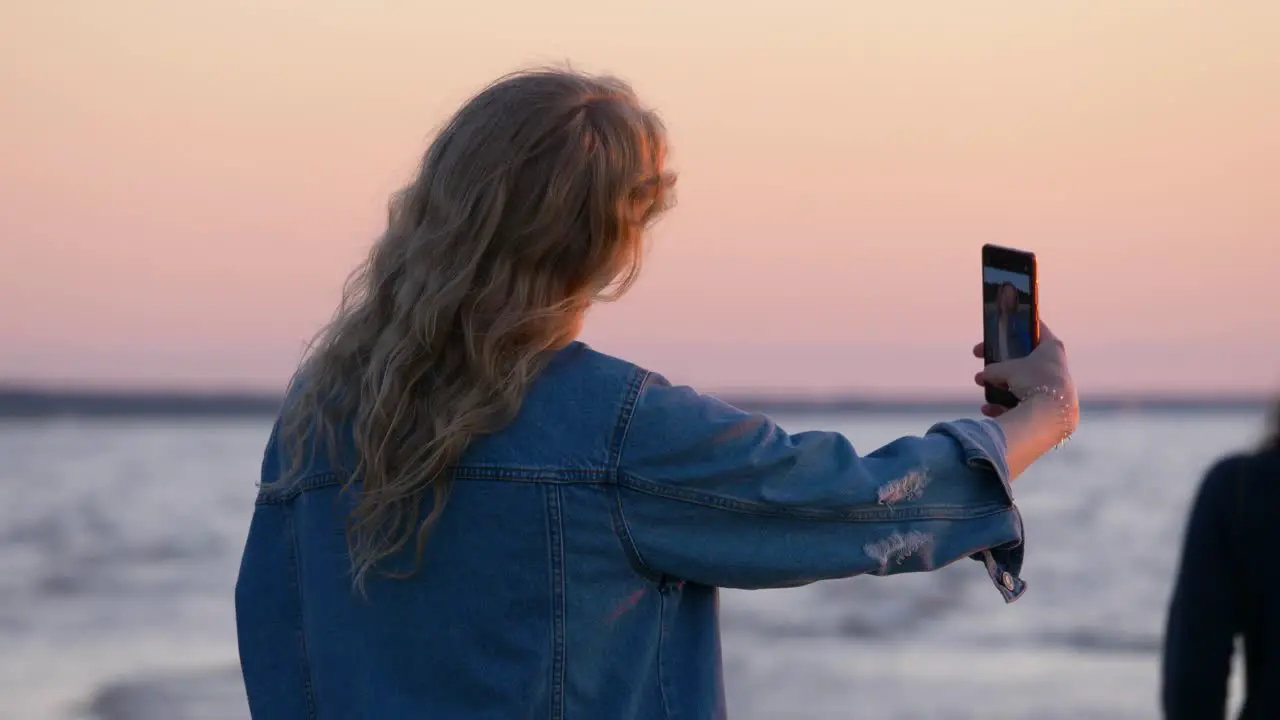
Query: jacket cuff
(984, 446)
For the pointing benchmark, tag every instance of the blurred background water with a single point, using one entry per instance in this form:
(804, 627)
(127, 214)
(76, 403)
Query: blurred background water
(119, 544)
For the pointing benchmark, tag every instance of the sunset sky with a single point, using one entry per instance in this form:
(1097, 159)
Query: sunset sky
(184, 185)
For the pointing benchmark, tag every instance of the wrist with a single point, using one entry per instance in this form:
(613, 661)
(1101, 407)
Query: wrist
(1042, 421)
(1055, 410)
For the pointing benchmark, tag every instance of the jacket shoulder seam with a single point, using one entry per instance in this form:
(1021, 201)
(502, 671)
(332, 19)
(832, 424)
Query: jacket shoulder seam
(639, 378)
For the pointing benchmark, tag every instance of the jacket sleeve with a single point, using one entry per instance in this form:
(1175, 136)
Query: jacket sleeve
(711, 494)
(1203, 615)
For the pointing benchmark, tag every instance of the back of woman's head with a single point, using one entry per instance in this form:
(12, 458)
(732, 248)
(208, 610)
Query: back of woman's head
(529, 205)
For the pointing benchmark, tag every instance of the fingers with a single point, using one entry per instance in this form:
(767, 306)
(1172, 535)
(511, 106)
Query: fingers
(997, 374)
(994, 375)
(994, 411)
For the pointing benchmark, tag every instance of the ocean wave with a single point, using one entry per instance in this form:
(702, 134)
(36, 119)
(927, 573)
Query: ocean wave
(213, 694)
(79, 551)
(1102, 640)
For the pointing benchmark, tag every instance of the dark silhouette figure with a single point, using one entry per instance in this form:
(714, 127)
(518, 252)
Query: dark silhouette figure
(1228, 586)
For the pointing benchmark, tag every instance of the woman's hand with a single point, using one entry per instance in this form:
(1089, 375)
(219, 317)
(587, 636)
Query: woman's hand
(1048, 410)
(1046, 367)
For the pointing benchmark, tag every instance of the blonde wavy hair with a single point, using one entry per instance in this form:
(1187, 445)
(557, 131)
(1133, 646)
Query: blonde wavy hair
(530, 204)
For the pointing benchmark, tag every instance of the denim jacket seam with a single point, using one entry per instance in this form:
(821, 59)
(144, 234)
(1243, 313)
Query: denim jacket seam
(868, 514)
(287, 491)
(555, 531)
(625, 414)
(662, 643)
(645, 571)
(304, 659)
(549, 475)
(283, 492)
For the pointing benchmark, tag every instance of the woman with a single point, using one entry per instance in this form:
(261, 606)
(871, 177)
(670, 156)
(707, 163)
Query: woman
(1228, 586)
(467, 514)
(1008, 330)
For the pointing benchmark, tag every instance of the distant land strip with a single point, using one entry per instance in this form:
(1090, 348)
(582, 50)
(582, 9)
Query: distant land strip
(24, 402)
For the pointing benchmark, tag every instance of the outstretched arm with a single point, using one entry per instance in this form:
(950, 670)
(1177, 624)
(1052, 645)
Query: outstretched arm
(715, 495)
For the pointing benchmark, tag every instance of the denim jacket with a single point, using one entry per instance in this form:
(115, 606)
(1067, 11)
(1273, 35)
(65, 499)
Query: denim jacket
(574, 570)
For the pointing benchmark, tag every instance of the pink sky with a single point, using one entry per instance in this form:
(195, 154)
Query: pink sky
(183, 186)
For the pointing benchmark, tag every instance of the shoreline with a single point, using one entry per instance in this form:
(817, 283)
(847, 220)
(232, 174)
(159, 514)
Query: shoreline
(32, 402)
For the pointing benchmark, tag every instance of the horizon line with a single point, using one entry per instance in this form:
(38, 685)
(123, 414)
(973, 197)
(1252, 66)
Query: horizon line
(29, 401)
(89, 389)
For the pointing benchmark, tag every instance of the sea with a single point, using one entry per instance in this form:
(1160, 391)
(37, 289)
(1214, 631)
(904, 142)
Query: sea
(120, 540)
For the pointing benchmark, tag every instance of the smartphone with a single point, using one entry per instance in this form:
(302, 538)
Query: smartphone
(1010, 310)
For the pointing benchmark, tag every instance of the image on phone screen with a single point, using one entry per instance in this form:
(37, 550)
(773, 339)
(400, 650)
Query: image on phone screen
(1007, 303)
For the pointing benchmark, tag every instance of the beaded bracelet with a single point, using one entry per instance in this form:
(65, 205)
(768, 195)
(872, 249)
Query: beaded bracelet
(1064, 405)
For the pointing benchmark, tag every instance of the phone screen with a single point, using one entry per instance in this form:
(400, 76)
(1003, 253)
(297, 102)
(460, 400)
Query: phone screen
(1011, 321)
